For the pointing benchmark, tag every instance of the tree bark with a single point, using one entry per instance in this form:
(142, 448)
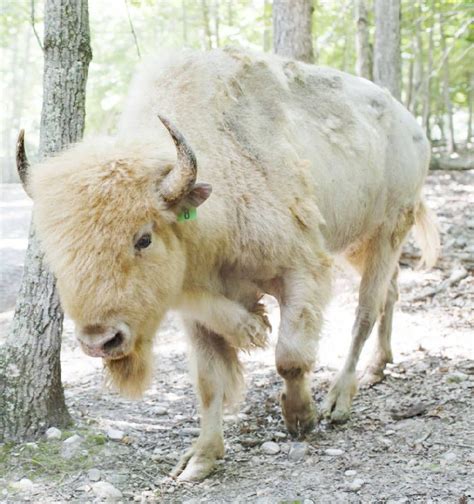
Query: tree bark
(31, 393)
(292, 20)
(387, 61)
(363, 51)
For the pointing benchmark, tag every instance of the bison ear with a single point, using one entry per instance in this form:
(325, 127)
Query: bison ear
(195, 197)
(198, 195)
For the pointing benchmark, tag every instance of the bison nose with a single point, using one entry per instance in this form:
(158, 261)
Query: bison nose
(108, 342)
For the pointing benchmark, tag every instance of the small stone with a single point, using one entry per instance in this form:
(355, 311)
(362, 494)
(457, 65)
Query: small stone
(308, 501)
(93, 474)
(53, 433)
(115, 434)
(412, 463)
(105, 490)
(160, 411)
(298, 451)
(71, 446)
(270, 448)
(31, 446)
(249, 442)
(355, 485)
(350, 472)
(24, 485)
(279, 435)
(334, 452)
(72, 440)
(448, 458)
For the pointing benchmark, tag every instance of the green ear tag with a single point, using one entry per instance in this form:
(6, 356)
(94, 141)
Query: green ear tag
(187, 214)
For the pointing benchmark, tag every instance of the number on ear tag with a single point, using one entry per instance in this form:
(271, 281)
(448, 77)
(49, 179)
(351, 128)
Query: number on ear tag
(187, 214)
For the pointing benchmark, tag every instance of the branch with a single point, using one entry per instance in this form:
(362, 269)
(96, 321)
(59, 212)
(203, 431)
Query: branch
(455, 277)
(33, 24)
(132, 29)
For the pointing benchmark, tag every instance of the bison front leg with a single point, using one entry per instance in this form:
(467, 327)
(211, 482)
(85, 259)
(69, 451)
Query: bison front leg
(303, 298)
(243, 324)
(218, 379)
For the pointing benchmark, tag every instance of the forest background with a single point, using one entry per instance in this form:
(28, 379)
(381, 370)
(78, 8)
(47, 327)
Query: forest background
(436, 56)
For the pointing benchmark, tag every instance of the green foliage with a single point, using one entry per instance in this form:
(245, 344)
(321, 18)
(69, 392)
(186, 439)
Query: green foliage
(161, 24)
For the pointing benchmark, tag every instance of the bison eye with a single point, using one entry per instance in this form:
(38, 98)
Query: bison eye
(143, 242)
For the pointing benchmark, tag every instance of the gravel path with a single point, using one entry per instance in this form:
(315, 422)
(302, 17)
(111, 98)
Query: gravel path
(409, 439)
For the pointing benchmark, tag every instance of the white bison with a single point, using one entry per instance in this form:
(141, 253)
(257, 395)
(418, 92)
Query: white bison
(304, 162)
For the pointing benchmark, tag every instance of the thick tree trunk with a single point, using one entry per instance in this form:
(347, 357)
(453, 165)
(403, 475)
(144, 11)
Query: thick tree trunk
(363, 51)
(387, 62)
(31, 394)
(292, 20)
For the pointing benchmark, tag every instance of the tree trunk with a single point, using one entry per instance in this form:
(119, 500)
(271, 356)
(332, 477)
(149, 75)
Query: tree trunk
(418, 76)
(387, 61)
(31, 394)
(363, 52)
(427, 87)
(470, 96)
(267, 28)
(448, 106)
(216, 22)
(205, 21)
(410, 78)
(292, 21)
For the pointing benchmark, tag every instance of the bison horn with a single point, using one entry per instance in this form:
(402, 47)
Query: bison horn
(22, 163)
(179, 182)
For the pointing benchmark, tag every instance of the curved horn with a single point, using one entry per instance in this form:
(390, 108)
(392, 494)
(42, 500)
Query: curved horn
(182, 177)
(22, 163)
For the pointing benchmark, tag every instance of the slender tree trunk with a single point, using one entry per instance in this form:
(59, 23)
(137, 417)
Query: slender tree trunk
(292, 20)
(448, 106)
(418, 76)
(216, 22)
(184, 23)
(470, 96)
(427, 86)
(31, 394)
(410, 78)
(267, 30)
(363, 52)
(205, 21)
(387, 61)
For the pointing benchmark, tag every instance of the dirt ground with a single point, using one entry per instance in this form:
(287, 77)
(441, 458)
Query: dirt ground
(410, 438)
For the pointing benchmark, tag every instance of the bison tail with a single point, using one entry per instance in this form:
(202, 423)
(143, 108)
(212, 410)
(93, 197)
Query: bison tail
(427, 235)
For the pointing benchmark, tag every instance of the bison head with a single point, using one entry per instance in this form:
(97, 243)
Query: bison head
(106, 216)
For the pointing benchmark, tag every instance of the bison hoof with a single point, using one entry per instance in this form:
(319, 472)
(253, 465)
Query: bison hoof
(337, 405)
(299, 418)
(197, 463)
(370, 377)
(254, 332)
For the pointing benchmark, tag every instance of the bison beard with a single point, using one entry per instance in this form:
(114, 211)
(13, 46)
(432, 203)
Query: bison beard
(131, 375)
